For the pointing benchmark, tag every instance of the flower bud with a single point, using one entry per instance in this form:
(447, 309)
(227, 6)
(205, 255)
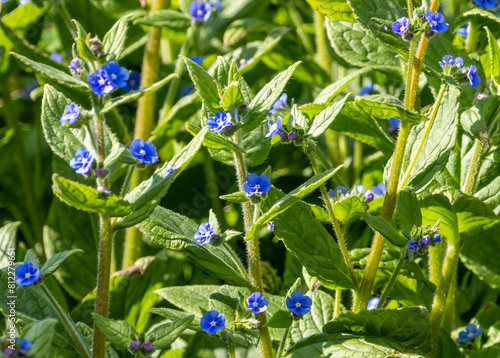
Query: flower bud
(292, 135)
(148, 346)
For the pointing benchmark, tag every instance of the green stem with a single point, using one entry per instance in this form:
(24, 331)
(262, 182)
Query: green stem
(281, 348)
(473, 36)
(427, 130)
(338, 302)
(232, 351)
(126, 182)
(213, 189)
(336, 177)
(63, 11)
(474, 167)
(410, 10)
(74, 332)
(409, 69)
(236, 261)
(336, 225)
(391, 283)
(299, 27)
(323, 55)
(144, 125)
(358, 160)
(436, 259)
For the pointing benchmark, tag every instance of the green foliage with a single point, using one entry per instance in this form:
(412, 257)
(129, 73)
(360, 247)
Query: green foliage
(119, 333)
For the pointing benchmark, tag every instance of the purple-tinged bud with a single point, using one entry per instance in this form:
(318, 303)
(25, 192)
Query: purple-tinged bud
(283, 136)
(23, 351)
(101, 172)
(7, 351)
(215, 237)
(480, 96)
(79, 70)
(300, 140)
(426, 240)
(430, 33)
(135, 345)
(367, 207)
(369, 196)
(410, 35)
(292, 135)
(436, 238)
(294, 315)
(148, 346)
(422, 250)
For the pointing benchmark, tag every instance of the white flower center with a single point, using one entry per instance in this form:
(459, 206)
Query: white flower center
(142, 152)
(257, 186)
(113, 76)
(298, 305)
(199, 13)
(28, 275)
(255, 304)
(84, 161)
(434, 23)
(102, 82)
(470, 335)
(213, 323)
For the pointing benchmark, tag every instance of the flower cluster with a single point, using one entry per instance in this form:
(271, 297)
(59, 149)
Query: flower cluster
(22, 349)
(487, 4)
(256, 185)
(221, 123)
(112, 76)
(454, 67)
(147, 348)
(366, 196)
(471, 332)
(27, 274)
(205, 233)
(419, 244)
(434, 20)
(279, 104)
(298, 304)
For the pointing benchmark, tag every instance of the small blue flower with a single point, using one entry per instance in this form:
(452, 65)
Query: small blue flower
(27, 274)
(144, 151)
(474, 79)
(366, 89)
(118, 76)
(217, 4)
(274, 128)
(257, 303)
(73, 65)
(197, 59)
(448, 60)
(373, 303)
(298, 303)
(56, 57)
(464, 31)
(436, 238)
(83, 160)
(100, 82)
(134, 82)
(414, 245)
(426, 240)
(71, 114)
(394, 124)
(213, 322)
(471, 332)
(333, 192)
(200, 10)
(401, 26)
(379, 190)
(205, 233)
(437, 21)
(279, 103)
(25, 345)
(487, 4)
(220, 121)
(271, 226)
(257, 184)
(186, 91)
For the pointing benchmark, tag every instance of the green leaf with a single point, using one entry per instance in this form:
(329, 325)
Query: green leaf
(135, 95)
(358, 48)
(386, 106)
(334, 10)
(118, 333)
(148, 194)
(8, 234)
(53, 263)
(298, 118)
(165, 334)
(494, 56)
(220, 71)
(225, 300)
(259, 108)
(478, 15)
(32, 257)
(321, 257)
(89, 199)
(345, 210)
(205, 85)
(384, 228)
(281, 319)
(235, 75)
(232, 98)
(241, 28)
(472, 121)
(238, 197)
(330, 92)
(446, 347)
(408, 211)
(176, 232)
(166, 18)
(409, 326)
(291, 198)
(40, 335)
(214, 141)
(323, 120)
(113, 42)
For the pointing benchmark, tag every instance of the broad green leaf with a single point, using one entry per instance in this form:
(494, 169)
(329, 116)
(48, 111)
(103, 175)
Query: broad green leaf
(298, 118)
(291, 198)
(86, 198)
(32, 257)
(214, 141)
(205, 85)
(408, 211)
(114, 8)
(386, 106)
(321, 257)
(232, 98)
(117, 332)
(220, 71)
(384, 228)
(345, 210)
(334, 10)
(53, 263)
(135, 95)
(480, 15)
(472, 121)
(358, 48)
(281, 319)
(225, 300)
(446, 347)
(330, 92)
(323, 120)
(259, 108)
(173, 314)
(170, 19)
(165, 334)
(113, 42)
(238, 197)
(409, 326)
(40, 335)
(8, 234)
(176, 232)
(235, 75)
(241, 28)
(148, 194)
(494, 56)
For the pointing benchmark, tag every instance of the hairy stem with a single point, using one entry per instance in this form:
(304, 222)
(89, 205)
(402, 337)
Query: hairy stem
(299, 27)
(410, 10)
(475, 165)
(436, 259)
(324, 58)
(473, 36)
(338, 302)
(336, 225)
(281, 348)
(391, 283)
(144, 125)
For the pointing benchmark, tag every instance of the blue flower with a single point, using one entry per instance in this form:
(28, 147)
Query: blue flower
(27, 274)
(257, 303)
(437, 21)
(56, 57)
(464, 31)
(366, 89)
(487, 4)
(279, 103)
(274, 128)
(25, 345)
(205, 233)
(333, 192)
(257, 184)
(186, 91)
(197, 59)
(217, 4)
(71, 114)
(426, 240)
(100, 82)
(448, 60)
(144, 151)
(73, 65)
(474, 79)
(395, 124)
(271, 226)
(298, 303)
(200, 10)
(213, 322)
(220, 121)
(373, 303)
(134, 82)
(436, 238)
(118, 76)
(401, 26)
(379, 190)
(471, 332)
(83, 160)
(414, 245)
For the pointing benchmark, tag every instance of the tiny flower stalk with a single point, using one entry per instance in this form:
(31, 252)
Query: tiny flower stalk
(392, 281)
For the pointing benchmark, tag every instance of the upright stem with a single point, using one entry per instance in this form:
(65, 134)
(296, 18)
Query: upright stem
(475, 165)
(323, 55)
(473, 35)
(74, 332)
(391, 283)
(281, 348)
(336, 225)
(436, 259)
(230, 347)
(338, 302)
(358, 160)
(410, 10)
(144, 124)
(299, 24)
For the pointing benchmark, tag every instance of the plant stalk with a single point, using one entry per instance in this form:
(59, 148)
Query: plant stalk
(475, 165)
(391, 283)
(323, 56)
(338, 302)
(281, 348)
